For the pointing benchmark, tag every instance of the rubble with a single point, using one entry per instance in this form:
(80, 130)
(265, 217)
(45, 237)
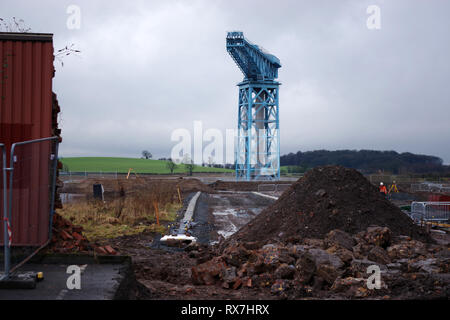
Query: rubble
(379, 255)
(340, 238)
(67, 238)
(335, 267)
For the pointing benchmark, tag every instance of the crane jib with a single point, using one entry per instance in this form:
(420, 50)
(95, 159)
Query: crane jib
(254, 62)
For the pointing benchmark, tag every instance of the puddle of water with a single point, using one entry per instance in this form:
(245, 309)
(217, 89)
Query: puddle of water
(231, 211)
(226, 212)
(229, 220)
(231, 229)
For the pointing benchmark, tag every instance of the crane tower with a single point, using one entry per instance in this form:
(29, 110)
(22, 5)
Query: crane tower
(258, 143)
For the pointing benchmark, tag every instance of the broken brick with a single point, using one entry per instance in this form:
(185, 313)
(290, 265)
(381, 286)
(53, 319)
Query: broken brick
(237, 284)
(110, 250)
(100, 250)
(65, 235)
(77, 236)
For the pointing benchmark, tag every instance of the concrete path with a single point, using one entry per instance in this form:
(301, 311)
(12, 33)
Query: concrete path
(184, 223)
(98, 282)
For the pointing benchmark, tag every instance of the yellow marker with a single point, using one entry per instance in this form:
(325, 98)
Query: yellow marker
(39, 276)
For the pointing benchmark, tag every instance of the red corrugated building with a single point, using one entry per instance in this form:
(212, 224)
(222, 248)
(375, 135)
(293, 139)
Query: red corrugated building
(27, 112)
(439, 198)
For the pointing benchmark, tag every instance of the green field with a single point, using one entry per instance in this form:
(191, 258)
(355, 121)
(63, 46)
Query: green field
(122, 165)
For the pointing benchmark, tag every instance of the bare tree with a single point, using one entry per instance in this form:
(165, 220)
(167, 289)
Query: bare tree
(188, 164)
(210, 161)
(146, 154)
(64, 52)
(18, 25)
(171, 166)
(14, 25)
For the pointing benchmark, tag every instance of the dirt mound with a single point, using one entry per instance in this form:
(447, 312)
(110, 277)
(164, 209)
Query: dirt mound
(193, 185)
(327, 198)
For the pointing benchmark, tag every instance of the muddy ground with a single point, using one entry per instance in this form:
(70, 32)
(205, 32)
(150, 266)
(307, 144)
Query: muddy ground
(165, 272)
(166, 275)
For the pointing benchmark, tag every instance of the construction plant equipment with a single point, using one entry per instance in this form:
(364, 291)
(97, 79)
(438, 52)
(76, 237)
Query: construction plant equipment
(258, 144)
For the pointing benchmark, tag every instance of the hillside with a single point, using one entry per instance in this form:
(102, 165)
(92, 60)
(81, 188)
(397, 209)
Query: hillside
(122, 165)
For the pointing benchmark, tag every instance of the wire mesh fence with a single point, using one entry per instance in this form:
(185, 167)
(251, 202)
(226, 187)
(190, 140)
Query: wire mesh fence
(430, 211)
(30, 187)
(3, 209)
(430, 187)
(405, 179)
(31, 184)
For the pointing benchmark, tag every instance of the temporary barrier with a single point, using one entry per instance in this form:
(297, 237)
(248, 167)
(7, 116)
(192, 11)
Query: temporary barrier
(430, 211)
(430, 187)
(4, 209)
(29, 195)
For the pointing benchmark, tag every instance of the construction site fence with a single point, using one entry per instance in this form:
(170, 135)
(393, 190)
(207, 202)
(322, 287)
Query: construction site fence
(430, 211)
(399, 179)
(28, 197)
(275, 187)
(430, 187)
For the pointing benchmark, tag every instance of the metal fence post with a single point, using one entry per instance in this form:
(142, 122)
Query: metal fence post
(52, 204)
(5, 215)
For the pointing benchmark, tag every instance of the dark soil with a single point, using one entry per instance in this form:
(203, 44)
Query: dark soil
(327, 198)
(166, 275)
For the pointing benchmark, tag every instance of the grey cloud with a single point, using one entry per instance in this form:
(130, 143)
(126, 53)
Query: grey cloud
(149, 67)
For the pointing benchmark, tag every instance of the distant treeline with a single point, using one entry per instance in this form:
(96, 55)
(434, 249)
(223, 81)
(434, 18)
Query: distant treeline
(367, 161)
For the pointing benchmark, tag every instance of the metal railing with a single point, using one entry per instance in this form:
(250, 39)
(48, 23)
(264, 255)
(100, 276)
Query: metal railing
(29, 196)
(5, 218)
(430, 187)
(430, 211)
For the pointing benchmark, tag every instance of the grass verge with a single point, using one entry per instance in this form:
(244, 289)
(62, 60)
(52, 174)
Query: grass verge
(118, 218)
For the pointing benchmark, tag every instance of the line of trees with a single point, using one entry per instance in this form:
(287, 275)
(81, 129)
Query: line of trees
(367, 161)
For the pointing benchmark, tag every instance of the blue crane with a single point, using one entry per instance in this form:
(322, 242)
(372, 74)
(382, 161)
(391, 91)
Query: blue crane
(258, 144)
(254, 62)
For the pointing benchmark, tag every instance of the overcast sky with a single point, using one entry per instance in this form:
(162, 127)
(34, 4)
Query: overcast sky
(150, 67)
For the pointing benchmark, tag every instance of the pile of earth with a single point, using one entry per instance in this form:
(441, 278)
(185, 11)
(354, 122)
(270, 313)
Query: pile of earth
(193, 185)
(327, 198)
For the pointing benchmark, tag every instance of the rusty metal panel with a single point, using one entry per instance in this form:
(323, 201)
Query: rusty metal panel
(26, 114)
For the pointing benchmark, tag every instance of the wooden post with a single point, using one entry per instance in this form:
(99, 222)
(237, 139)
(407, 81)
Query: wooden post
(155, 204)
(179, 195)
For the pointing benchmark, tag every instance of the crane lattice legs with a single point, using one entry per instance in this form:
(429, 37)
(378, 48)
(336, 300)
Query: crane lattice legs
(258, 144)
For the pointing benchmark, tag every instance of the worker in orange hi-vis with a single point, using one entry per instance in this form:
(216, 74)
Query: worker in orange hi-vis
(383, 189)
